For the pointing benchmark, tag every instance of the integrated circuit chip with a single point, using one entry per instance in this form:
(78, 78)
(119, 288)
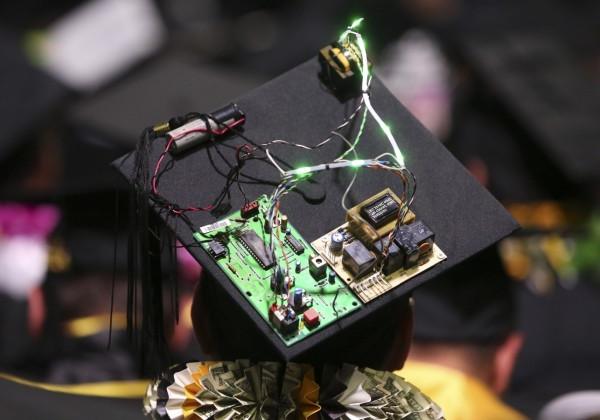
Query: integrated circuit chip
(216, 249)
(380, 211)
(257, 248)
(294, 243)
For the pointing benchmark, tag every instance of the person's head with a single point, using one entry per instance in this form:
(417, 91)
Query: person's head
(465, 319)
(225, 332)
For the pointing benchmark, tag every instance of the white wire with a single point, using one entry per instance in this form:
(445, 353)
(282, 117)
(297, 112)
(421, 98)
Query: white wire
(365, 94)
(281, 171)
(347, 191)
(345, 196)
(347, 121)
(397, 159)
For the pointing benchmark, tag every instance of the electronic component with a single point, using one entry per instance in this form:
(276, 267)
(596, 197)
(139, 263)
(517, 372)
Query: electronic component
(395, 259)
(415, 241)
(331, 277)
(380, 220)
(311, 318)
(277, 280)
(294, 243)
(357, 258)
(284, 320)
(283, 221)
(296, 298)
(196, 131)
(336, 242)
(216, 249)
(368, 285)
(299, 300)
(380, 211)
(341, 68)
(317, 267)
(257, 248)
(261, 287)
(249, 209)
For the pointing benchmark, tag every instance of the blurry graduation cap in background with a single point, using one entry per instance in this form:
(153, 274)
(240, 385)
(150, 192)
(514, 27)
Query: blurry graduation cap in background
(97, 41)
(529, 121)
(28, 95)
(472, 303)
(296, 107)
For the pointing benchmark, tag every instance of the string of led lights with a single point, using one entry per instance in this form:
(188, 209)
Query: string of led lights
(395, 164)
(394, 161)
(366, 80)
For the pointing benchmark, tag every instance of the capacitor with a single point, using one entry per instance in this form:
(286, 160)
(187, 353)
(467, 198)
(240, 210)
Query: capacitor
(297, 298)
(283, 223)
(336, 242)
(298, 266)
(331, 277)
(277, 280)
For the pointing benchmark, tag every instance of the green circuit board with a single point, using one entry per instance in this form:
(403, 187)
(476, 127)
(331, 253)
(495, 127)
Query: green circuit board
(331, 297)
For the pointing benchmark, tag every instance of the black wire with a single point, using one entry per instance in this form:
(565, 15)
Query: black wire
(114, 269)
(337, 292)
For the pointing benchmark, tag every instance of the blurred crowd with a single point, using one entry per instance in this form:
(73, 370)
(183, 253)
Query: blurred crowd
(511, 88)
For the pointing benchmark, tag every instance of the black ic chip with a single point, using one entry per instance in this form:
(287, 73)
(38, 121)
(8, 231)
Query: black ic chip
(216, 249)
(294, 243)
(380, 211)
(257, 248)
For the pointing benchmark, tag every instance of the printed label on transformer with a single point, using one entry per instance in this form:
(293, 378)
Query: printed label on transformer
(380, 211)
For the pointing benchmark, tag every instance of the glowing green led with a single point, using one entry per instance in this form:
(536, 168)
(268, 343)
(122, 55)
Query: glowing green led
(400, 158)
(357, 163)
(386, 129)
(356, 23)
(303, 172)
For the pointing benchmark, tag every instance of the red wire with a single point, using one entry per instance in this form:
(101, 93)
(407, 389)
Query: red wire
(154, 179)
(216, 132)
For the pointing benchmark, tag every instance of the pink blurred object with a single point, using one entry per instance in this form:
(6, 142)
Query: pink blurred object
(24, 231)
(415, 70)
(189, 269)
(28, 220)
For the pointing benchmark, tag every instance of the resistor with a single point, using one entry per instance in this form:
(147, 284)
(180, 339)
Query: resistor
(233, 270)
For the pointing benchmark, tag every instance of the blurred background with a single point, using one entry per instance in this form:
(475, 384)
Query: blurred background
(511, 88)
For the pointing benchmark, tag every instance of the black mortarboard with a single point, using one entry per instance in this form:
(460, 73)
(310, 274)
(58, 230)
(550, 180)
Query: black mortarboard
(28, 94)
(547, 102)
(298, 108)
(40, 158)
(470, 303)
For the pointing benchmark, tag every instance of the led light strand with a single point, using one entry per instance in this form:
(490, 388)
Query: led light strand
(365, 91)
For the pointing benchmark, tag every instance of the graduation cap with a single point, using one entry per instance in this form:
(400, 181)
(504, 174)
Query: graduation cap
(28, 93)
(234, 246)
(541, 120)
(44, 159)
(470, 303)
